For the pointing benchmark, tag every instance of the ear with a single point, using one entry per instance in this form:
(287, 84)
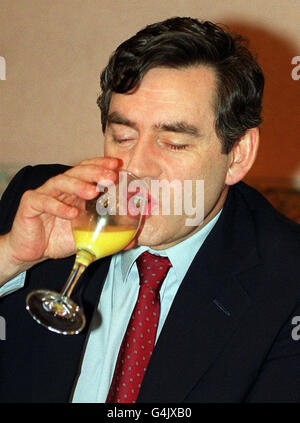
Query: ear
(242, 156)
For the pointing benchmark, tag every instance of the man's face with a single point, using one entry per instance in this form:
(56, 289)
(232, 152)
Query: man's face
(165, 131)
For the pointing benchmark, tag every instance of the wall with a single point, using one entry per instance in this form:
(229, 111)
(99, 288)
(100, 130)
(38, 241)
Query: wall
(54, 51)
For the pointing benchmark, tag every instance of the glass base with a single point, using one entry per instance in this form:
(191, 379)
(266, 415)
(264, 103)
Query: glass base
(55, 312)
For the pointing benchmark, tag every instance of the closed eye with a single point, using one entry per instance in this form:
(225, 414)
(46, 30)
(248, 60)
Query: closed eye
(177, 147)
(122, 139)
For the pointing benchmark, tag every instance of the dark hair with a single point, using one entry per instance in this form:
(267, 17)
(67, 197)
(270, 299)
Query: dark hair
(184, 42)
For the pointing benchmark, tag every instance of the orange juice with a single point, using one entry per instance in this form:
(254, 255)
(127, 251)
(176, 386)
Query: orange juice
(109, 241)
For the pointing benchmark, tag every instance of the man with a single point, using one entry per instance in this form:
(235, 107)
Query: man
(181, 101)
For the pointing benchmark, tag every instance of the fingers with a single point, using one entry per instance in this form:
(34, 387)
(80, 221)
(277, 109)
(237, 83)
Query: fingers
(78, 182)
(98, 170)
(82, 179)
(92, 173)
(66, 184)
(109, 162)
(35, 203)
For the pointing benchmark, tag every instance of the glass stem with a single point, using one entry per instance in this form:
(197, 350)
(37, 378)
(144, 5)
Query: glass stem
(75, 274)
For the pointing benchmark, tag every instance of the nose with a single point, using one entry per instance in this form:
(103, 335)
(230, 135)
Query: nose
(143, 159)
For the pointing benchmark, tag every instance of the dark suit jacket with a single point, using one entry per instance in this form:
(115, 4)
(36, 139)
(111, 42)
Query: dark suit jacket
(228, 335)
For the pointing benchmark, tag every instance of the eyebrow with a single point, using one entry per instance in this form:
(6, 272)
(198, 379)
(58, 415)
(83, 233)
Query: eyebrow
(115, 117)
(180, 127)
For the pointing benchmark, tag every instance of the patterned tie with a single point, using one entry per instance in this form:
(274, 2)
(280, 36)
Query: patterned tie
(139, 339)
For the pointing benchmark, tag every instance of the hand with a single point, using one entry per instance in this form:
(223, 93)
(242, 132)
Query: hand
(42, 225)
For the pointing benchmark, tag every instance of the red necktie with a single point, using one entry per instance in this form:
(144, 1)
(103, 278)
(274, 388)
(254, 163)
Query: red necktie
(139, 339)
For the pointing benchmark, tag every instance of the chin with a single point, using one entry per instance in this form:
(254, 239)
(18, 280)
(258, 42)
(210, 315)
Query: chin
(158, 231)
(146, 241)
(150, 237)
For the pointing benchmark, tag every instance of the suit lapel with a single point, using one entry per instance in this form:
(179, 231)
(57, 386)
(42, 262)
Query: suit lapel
(206, 310)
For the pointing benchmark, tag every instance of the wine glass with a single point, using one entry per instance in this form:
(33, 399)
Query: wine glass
(104, 226)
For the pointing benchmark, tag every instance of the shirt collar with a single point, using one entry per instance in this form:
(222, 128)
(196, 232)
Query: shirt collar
(181, 255)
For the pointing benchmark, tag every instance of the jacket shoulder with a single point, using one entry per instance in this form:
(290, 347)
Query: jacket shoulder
(264, 212)
(278, 237)
(29, 177)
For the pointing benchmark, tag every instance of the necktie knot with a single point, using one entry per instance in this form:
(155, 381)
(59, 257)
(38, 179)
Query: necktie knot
(152, 270)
